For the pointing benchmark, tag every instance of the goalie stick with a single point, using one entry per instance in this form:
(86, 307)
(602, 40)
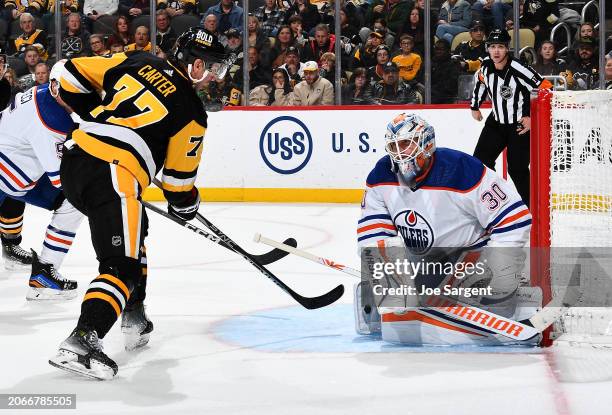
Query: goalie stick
(482, 319)
(264, 259)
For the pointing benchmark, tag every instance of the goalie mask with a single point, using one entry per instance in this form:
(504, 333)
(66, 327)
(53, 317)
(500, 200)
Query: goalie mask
(198, 43)
(409, 141)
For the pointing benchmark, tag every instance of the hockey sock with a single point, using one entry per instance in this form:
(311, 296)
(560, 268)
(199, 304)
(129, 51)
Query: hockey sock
(11, 221)
(103, 303)
(140, 292)
(60, 234)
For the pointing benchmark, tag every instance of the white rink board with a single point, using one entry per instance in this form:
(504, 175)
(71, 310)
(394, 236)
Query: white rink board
(320, 149)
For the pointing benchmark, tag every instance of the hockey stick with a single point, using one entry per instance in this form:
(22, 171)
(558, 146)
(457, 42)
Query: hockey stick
(267, 258)
(470, 314)
(307, 302)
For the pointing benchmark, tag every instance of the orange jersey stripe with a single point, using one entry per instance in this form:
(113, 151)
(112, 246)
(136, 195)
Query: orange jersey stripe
(12, 176)
(383, 184)
(56, 239)
(375, 226)
(513, 217)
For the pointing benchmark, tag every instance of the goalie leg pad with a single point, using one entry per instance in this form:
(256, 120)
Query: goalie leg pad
(367, 319)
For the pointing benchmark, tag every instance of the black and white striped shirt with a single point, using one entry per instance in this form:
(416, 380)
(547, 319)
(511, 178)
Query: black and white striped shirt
(508, 88)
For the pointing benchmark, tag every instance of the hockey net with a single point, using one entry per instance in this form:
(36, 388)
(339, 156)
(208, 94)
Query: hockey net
(571, 204)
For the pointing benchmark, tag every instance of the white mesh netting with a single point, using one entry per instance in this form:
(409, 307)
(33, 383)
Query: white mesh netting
(581, 169)
(581, 217)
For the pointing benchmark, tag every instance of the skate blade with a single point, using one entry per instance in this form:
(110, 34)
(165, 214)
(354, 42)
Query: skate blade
(66, 360)
(46, 294)
(133, 339)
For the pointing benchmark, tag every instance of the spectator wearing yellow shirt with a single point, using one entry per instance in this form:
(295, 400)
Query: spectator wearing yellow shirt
(408, 62)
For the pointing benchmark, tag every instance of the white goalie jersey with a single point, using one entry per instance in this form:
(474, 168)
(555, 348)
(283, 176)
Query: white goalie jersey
(458, 202)
(31, 147)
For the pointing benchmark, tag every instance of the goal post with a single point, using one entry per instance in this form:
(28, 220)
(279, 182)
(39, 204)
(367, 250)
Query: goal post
(571, 205)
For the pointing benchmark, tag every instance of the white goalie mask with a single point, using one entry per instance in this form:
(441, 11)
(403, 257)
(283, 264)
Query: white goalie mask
(409, 141)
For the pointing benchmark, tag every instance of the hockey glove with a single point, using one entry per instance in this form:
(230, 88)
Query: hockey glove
(189, 210)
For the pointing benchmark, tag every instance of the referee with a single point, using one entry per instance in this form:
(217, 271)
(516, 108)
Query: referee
(508, 83)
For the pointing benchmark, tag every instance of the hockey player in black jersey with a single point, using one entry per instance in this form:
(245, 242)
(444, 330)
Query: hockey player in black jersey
(149, 119)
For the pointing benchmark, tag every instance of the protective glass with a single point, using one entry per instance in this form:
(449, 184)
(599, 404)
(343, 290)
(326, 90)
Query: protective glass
(220, 69)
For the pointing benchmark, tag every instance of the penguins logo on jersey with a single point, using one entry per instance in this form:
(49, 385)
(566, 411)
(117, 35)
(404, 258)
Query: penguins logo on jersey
(415, 231)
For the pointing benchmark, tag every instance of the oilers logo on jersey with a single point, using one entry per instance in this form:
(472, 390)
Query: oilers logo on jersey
(416, 232)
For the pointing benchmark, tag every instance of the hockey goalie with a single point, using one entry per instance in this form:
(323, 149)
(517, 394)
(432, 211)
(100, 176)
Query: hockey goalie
(438, 226)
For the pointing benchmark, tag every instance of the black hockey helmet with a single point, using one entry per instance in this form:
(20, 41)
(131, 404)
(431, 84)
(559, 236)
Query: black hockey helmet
(499, 36)
(199, 43)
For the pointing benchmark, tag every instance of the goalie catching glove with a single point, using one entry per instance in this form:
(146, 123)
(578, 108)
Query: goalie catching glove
(188, 209)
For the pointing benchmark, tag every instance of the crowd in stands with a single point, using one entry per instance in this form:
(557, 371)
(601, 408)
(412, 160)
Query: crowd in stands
(290, 56)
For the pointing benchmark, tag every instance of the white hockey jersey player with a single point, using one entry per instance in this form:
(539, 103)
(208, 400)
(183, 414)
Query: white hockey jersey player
(436, 198)
(33, 129)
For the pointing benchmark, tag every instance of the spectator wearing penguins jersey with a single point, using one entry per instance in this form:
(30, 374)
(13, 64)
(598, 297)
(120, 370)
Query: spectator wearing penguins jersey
(471, 52)
(540, 16)
(375, 73)
(508, 83)
(585, 68)
(365, 56)
(292, 66)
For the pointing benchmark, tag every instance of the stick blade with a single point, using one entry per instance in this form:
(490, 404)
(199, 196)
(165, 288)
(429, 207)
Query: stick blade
(312, 303)
(275, 254)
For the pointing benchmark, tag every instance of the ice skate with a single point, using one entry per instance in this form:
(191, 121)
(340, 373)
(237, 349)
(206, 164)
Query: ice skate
(136, 327)
(15, 257)
(48, 284)
(81, 353)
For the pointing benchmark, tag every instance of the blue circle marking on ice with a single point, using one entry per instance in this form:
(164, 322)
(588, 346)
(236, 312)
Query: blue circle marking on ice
(285, 145)
(326, 330)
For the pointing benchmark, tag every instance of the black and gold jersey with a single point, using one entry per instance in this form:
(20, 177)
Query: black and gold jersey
(140, 112)
(38, 38)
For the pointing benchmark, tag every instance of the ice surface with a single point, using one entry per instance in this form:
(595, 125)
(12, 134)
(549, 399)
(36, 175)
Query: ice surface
(228, 341)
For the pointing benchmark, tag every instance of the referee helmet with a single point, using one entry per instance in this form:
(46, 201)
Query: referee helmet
(498, 36)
